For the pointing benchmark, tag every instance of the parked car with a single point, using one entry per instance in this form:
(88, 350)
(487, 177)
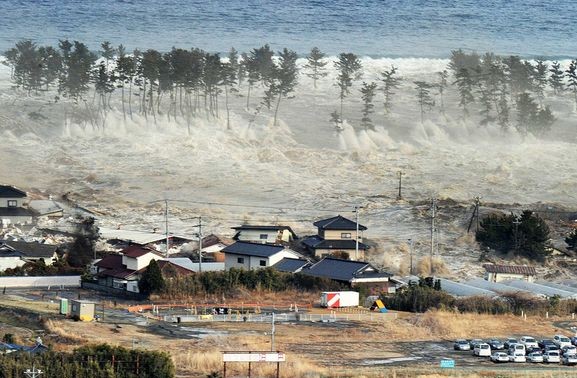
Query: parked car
(561, 341)
(500, 357)
(543, 343)
(496, 344)
(529, 342)
(474, 342)
(461, 344)
(482, 350)
(517, 357)
(510, 341)
(569, 359)
(535, 357)
(551, 347)
(574, 340)
(517, 348)
(552, 356)
(569, 350)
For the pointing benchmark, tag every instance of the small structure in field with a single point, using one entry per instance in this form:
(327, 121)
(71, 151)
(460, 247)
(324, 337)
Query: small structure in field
(498, 273)
(82, 310)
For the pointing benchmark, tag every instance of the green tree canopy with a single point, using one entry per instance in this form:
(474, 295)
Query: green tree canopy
(151, 280)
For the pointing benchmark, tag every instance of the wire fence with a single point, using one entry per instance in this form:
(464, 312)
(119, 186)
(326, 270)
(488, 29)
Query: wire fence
(284, 317)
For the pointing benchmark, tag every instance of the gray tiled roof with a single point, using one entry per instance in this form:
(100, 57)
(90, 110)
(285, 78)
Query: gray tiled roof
(510, 269)
(16, 212)
(343, 270)
(290, 265)
(253, 249)
(7, 191)
(338, 223)
(32, 249)
(316, 242)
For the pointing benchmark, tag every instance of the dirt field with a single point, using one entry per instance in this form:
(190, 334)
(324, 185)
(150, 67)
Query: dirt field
(410, 346)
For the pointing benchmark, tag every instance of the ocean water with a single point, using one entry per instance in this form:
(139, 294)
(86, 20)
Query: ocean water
(377, 28)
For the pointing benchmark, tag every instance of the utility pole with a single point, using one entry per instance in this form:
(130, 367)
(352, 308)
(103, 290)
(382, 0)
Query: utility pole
(272, 332)
(411, 256)
(33, 373)
(400, 196)
(166, 224)
(200, 244)
(357, 233)
(433, 209)
(475, 215)
(516, 222)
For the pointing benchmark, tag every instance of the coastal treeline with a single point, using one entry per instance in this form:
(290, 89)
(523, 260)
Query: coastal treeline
(189, 83)
(93, 361)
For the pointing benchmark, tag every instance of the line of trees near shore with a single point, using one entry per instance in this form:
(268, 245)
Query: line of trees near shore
(93, 361)
(185, 84)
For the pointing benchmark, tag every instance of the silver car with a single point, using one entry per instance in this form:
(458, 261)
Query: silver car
(569, 359)
(461, 344)
(535, 357)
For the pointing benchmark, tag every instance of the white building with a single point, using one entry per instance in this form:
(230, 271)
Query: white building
(243, 255)
(498, 273)
(264, 234)
(12, 207)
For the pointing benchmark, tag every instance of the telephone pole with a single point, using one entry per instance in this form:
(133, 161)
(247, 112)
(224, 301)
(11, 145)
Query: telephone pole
(411, 257)
(400, 196)
(166, 224)
(200, 244)
(516, 222)
(433, 216)
(357, 233)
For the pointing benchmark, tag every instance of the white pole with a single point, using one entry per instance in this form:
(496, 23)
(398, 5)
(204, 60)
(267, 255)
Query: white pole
(166, 224)
(200, 244)
(434, 203)
(357, 234)
(272, 334)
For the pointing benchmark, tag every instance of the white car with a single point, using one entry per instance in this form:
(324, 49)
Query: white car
(482, 350)
(552, 356)
(500, 357)
(535, 357)
(569, 359)
(529, 342)
(517, 357)
(561, 341)
(569, 350)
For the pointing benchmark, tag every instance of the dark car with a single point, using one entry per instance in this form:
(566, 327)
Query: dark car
(543, 343)
(509, 342)
(496, 344)
(549, 347)
(574, 340)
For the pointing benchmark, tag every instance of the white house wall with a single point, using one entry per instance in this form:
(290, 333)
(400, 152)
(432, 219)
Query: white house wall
(19, 201)
(338, 234)
(10, 263)
(253, 262)
(254, 236)
(140, 262)
(499, 277)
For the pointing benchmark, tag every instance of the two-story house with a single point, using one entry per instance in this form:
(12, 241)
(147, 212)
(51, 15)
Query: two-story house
(337, 236)
(122, 271)
(12, 207)
(244, 255)
(264, 234)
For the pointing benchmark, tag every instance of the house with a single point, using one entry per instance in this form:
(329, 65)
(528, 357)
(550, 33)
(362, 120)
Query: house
(122, 271)
(16, 253)
(12, 207)
(353, 273)
(212, 246)
(264, 234)
(337, 236)
(245, 255)
(195, 266)
(498, 273)
(124, 238)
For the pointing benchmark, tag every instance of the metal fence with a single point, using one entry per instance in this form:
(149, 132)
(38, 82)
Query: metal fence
(284, 317)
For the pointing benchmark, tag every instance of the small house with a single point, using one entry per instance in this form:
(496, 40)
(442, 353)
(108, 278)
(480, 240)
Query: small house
(82, 310)
(498, 273)
(16, 253)
(264, 234)
(12, 207)
(248, 256)
(337, 236)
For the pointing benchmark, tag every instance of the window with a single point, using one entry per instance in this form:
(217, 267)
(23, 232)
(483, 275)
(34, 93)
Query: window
(263, 236)
(262, 262)
(345, 235)
(240, 260)
(12, 203)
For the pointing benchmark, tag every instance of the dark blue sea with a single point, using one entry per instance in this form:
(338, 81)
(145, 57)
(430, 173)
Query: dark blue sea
(387, 28)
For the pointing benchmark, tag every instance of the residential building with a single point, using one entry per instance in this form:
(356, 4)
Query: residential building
(353, 273)
(337, 236)
(246, 255)
(498, 273)
(16, 253)
(13, 208)
(289, 265)
(264, 234)
(212, 246)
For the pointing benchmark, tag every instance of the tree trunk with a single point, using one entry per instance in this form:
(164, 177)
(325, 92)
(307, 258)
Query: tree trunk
(122, 100)
(227, 109)
(276, 109)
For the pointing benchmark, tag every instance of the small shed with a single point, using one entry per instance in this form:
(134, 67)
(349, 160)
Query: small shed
(499, 273)
(83, 310)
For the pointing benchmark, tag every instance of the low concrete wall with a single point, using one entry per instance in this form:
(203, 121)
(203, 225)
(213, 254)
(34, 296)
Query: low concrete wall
(40, 281)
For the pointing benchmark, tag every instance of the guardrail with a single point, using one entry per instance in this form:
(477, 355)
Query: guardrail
(283, 317)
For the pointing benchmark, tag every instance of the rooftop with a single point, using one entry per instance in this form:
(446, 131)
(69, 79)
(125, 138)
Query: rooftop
(135, 251)
(291, 265)
(343, 270)
(16, 212)
(7, 191)
(253, 249)
(316, 242)
(510, 269)
(338, 223)
(33, 249)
